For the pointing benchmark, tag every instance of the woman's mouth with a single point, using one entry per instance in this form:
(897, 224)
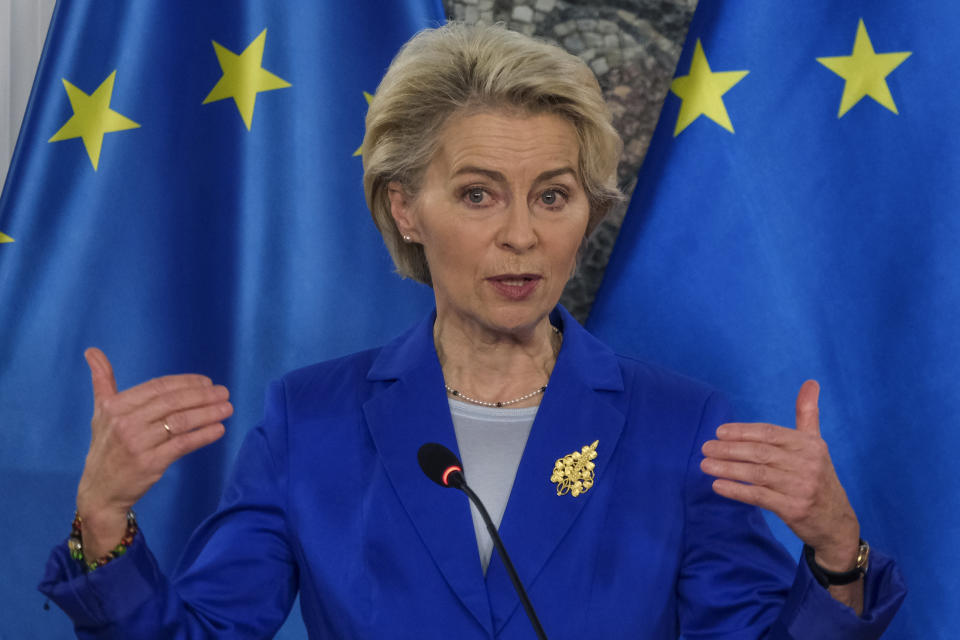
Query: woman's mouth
(515, 286)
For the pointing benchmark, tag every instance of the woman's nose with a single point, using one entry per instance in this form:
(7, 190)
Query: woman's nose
(517, 232)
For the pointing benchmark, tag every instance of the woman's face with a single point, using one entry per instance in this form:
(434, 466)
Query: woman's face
(500, 215)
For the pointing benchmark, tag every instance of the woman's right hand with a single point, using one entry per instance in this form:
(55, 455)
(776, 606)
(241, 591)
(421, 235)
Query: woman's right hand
(130, 448)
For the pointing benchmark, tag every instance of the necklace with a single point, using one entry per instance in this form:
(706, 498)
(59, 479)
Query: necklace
(457, 394)
(482, 403)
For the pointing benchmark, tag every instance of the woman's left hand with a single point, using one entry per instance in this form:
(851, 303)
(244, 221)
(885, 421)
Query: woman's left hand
(789, 472)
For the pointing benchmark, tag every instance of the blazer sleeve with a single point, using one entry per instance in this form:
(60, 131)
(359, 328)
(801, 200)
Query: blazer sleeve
(737, 581)
(237, 577)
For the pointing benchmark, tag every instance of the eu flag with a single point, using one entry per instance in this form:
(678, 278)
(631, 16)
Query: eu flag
(185, 194)
(796, 218)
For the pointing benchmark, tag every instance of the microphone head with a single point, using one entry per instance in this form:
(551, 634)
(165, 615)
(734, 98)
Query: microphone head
(440, 465)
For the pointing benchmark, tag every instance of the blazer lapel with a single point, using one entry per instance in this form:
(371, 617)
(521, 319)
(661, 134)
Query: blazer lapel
(572, 414)
(411, 410)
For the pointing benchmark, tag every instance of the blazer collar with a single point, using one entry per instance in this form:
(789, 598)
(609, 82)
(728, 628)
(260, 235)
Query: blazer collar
(592, 361)
(575, 411)
(412, 409)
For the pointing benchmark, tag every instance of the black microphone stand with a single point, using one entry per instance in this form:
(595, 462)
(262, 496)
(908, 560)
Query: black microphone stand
(456, 479)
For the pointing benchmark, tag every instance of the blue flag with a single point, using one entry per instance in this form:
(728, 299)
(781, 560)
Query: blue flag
(185, 194)
(796, 218)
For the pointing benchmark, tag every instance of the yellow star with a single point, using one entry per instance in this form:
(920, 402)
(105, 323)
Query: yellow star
(865, 72)
(702, 90)
(359, 151)
(92, 118)
(243, 77)
(5, 238)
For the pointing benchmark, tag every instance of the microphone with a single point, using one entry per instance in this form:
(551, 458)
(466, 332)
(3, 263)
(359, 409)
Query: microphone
(443, 467)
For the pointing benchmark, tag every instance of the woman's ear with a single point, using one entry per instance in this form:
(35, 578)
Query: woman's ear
(402, 210)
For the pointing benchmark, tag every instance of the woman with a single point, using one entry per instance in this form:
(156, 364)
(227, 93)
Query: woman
(488, 158)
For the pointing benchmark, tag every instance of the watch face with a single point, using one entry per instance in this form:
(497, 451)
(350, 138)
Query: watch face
(863, 556)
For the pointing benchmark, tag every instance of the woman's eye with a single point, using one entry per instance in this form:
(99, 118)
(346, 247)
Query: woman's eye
(551, 197)
(475, 196)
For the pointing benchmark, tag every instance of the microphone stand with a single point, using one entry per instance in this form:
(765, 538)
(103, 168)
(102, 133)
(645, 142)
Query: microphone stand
(456, 479)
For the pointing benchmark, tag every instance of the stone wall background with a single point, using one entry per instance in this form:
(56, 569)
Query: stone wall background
(632, 46)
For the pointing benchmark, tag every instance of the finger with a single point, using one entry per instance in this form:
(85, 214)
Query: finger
(756, 474)
(143, 394)
(154, 434)
(757, 432)
(159, 408)
(175, 448)
(755, 452)
(808, 413)
(101, 374)
(786, 507)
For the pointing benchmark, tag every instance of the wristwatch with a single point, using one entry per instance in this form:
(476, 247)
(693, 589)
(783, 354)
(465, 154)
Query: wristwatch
(827, 578)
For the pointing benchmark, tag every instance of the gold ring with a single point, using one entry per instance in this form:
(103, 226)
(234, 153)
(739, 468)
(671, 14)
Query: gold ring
(167, 428)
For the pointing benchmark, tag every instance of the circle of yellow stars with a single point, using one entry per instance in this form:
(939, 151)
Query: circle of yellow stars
(865, 71)
(701, 91)
(243, 78)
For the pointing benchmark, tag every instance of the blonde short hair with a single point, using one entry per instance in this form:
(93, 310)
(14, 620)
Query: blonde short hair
(458, 67)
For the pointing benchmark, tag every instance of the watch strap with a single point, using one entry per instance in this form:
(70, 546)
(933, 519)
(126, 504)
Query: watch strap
(827, 578)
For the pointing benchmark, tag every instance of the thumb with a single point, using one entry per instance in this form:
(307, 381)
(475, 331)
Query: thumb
(808, 413)
(101, 374)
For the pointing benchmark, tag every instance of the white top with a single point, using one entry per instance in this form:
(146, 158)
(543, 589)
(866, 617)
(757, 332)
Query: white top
(491, 441)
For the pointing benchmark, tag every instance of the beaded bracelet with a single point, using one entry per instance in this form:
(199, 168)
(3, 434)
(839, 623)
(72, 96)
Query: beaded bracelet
(75, 542)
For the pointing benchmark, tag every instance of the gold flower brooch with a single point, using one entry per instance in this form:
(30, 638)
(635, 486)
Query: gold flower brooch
(573, 473)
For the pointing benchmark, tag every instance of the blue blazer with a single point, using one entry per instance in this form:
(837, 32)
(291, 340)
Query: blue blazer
(327, 498)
